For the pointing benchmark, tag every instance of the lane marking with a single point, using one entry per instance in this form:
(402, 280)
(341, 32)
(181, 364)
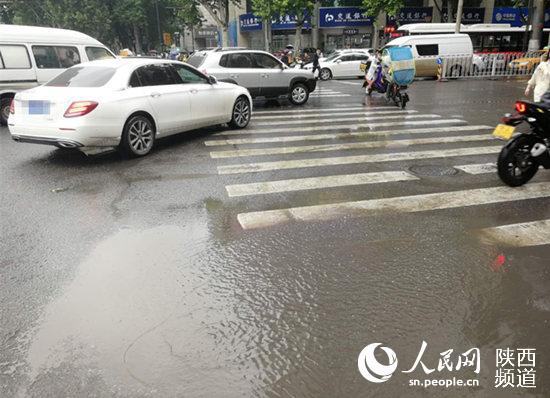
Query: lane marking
(329, 95)
(307, 110)
(401, 204)
(349, 146)
(329, 126)
(325, 114)
(349, 83)
(524, 234)
(375, 158)
(482, 168)
(301, 184)
(404, 116)
(320, 137)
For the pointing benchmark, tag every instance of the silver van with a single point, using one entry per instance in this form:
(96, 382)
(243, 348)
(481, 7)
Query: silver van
(31, 56)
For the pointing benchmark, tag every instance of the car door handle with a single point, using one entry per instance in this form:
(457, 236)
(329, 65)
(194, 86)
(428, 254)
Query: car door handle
(155, 95)
(234, 76)
(265, 75)
(194, 91)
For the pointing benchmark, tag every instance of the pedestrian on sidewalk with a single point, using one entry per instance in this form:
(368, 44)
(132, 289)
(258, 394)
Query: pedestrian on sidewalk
(540, 81)
(316, 66)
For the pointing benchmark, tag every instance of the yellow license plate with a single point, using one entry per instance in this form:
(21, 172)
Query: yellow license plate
(504, 131)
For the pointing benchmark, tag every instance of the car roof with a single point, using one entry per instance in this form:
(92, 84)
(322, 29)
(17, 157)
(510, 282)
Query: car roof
(38, 34)
(128, 62)
(406, 39)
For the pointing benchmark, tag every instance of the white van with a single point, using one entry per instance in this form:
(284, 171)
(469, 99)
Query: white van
(428, 48)
(31, 56)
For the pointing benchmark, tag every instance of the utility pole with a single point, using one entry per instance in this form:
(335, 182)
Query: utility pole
(459, 10)
(537, 25)
(315, 25)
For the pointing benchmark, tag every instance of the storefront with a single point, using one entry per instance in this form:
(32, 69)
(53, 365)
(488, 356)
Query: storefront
(283, 31)
(343, 27)
(206, 37)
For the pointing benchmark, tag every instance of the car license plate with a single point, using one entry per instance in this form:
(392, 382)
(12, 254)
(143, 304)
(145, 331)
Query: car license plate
(39, 107)
(504, 131)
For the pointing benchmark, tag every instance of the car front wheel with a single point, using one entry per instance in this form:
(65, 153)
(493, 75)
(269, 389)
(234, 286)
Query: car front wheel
(4, 111)
(138, 136)
(299, 94)
(325, 74)
(241, 113)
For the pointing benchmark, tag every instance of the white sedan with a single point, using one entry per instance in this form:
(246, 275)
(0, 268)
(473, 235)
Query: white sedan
(340, 65)
(125, 103)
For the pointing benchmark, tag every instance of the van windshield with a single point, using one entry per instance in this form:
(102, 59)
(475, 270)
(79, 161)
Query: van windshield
(83, 76)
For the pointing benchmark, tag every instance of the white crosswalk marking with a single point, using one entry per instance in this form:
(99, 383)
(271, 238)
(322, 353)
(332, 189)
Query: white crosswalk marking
(300, 184)
(482, 168)
(361, 134)
(293, 111)
(534, 233)
(329, 126)
(325, 114)
(403, 115)
(340, 147)
(374, 158)
(415, 203)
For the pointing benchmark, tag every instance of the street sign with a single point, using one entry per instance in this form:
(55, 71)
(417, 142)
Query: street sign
(351, 32)
(167, 38)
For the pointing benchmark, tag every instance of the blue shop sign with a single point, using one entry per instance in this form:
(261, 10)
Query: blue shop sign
(288, 22)
(470, 15)
(511, 15)
(343, 17)
(249, 22)
(412, 15)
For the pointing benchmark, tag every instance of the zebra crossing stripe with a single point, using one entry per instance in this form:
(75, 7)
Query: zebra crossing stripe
(328, 95)
(308, 110)
(401, 204)
(300, 184)
(325, 114)
(404, 116)
(475, 169)
(524, 234)
(349, 146)
(320, 137)
(374, 158)
(328, 126)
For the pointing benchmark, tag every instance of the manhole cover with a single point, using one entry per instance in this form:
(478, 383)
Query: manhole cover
(433, 171)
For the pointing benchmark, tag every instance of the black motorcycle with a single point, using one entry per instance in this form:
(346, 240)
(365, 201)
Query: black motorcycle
(525, 151)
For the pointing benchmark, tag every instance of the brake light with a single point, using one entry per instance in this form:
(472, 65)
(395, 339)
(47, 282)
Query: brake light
(12, 106)
(521, 107)
(80, 108)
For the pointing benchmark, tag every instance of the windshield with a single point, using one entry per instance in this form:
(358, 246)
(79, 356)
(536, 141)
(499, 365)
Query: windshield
(196, 59)
(333, 56)
(83, 76)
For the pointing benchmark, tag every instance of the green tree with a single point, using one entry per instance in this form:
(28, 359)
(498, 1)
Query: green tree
(375, 7)
(302, 9)
(219, 10)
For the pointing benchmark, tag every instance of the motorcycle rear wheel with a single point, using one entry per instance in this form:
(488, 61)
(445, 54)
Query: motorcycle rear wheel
(515, 164)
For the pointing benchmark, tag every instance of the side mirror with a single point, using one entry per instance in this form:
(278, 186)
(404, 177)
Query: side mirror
(212, 80)
(338, 61)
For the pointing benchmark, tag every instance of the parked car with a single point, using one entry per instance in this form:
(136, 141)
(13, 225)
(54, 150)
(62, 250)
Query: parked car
(260, 72)
(369, 51)
(428, 48)
(125, 103)
(31, 55)
(341, 65)
(527, 63)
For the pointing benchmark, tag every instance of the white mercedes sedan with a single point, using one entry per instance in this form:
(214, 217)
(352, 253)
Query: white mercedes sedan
(125, 103)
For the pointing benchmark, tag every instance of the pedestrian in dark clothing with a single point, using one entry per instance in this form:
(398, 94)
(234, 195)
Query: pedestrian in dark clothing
(316, 66)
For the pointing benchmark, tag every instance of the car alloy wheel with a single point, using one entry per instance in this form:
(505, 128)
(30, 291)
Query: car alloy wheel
(241, 113)
(299, 94)
(325, 74)
(140, 136)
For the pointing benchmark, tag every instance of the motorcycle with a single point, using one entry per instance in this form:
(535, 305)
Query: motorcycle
(392, 91)
(520, 159)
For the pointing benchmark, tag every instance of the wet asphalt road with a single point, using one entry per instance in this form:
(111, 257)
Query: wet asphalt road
(137, 278)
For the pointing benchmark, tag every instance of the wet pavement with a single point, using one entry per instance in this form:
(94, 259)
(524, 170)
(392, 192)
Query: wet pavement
(266, 269)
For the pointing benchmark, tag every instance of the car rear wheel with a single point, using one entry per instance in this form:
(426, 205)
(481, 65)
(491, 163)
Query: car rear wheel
(138, 136)
(325, 74)
(241, 113)
(4, 110)
(299, 94)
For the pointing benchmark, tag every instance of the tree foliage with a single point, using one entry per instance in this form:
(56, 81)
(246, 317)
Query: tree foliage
(375, 7)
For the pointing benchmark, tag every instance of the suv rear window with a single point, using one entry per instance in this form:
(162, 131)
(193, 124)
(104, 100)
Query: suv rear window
(80, 76)
(196, 59)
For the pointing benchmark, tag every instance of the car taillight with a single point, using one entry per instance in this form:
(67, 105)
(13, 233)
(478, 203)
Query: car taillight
(12, 107)
(80, 108)
(521, 107)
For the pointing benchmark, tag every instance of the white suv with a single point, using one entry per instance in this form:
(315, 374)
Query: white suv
(260, 72)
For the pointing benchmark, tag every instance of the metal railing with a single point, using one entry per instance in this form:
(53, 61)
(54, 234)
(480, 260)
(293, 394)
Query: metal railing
(489, 65)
